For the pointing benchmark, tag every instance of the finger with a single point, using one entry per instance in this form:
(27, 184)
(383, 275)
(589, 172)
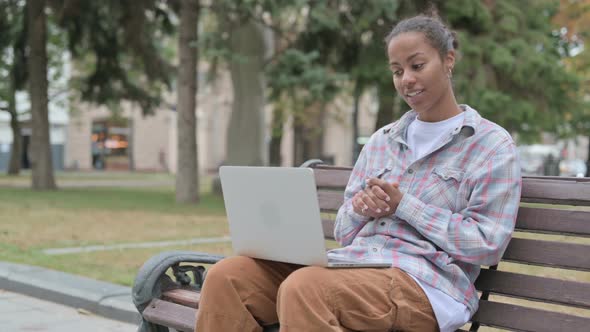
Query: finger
(356, 204)
(371, 201)
(359, 206)
(376, 182)
(382, 205)
(381, 194)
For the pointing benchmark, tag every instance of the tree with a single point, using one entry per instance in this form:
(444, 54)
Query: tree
(42, 166)
(511, 67)
(573, 23)
(13, 71)
(114, 40)
(118, 48)
(186, 177)
(239, 37)
(346, 38)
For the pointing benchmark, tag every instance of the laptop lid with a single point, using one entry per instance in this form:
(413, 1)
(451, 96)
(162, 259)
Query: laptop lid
(273, 213)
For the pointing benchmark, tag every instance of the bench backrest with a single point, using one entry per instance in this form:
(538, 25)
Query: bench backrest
(551, 234)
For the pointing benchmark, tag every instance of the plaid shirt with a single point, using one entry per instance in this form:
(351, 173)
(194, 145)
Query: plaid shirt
(457, 212)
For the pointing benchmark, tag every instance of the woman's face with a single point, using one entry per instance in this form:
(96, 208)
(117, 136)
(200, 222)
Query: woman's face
(419, 74)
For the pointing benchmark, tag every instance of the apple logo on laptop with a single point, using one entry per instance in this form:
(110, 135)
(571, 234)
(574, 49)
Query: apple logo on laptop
(270, 214)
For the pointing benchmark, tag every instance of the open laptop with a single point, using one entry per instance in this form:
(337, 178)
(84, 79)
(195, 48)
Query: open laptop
(273, 214)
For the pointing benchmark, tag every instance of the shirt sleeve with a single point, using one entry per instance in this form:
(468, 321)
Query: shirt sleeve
(479, 234)
(349, 223)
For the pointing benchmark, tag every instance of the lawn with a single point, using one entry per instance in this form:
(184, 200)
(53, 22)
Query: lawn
(72, 217)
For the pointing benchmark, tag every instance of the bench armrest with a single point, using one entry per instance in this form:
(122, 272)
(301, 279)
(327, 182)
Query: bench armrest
(151, 277)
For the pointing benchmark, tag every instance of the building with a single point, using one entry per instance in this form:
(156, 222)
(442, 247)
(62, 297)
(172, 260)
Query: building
(148, 143)
(58, 124)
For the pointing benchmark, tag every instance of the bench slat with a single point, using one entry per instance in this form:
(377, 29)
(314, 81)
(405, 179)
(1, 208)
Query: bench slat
(330, 201)
(556, 221)
(536, 252)
(549, 253)
(574, 191)
(328, 228)
(554, 191)
(520, 318)
(170, 314)
(535, 288)
(329, 178)
(186, 297)
(529, 219)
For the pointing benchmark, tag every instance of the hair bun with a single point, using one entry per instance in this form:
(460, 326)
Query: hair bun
(455, 40)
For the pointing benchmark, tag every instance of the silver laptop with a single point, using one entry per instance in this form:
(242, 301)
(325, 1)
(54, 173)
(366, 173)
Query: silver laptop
(273, 214)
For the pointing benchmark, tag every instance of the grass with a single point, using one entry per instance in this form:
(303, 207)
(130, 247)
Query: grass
(32, 221)
(117, 266)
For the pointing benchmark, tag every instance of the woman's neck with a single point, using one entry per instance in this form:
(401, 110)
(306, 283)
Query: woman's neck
(446, 108)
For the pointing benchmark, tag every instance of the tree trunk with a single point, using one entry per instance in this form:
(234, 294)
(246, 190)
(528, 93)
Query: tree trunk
(278, 121)
(298, 142)
(187, 180)
(309, 134)
(588, 159)
(17, 139)
(246, 133)
(387, 100)
(131, 142)
(355, 126)
(42, 166)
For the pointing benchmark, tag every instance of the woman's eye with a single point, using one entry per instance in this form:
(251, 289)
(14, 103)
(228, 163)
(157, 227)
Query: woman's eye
(397, 72)
(418, 66)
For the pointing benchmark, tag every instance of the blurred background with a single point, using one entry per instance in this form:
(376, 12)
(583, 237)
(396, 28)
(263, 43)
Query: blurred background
(115, 114)
(90, 85)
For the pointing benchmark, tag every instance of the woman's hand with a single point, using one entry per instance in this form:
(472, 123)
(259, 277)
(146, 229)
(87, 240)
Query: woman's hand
(387, 195)
(374, 201)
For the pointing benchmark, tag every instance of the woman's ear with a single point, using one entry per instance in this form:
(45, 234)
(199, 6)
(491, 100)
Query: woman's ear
(450, 60)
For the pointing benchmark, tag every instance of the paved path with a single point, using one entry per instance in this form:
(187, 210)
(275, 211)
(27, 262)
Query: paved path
(23, 313)
(75, 250)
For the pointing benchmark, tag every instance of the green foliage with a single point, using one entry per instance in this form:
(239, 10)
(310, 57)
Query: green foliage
(12, 49)
(511, 70)
(119, 47)
(510, 66)
(296, 69)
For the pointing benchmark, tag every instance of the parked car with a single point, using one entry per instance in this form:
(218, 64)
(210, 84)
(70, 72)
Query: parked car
(538, 159)
(572, 167)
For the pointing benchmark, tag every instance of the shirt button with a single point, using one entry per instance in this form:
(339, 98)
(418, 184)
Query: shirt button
(374, 249)
(383, 223)
(410, 171)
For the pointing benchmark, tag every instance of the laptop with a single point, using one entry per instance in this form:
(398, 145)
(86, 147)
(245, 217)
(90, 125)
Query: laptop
(273, 214)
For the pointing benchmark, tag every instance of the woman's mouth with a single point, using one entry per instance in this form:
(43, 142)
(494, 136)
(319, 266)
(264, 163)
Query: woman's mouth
(414, 93)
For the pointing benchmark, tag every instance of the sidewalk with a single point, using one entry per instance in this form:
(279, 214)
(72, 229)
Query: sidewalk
(103, 301)
(23, 313)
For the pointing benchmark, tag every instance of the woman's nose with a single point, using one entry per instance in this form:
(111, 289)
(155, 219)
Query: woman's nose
(408, 79)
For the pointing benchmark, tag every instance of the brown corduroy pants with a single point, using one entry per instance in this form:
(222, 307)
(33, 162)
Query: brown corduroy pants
(242, 294)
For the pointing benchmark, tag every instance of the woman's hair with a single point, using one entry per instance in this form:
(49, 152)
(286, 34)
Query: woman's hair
(437, 33)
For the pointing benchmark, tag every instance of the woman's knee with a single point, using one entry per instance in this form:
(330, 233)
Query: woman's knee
(229, 267)
(307, 281)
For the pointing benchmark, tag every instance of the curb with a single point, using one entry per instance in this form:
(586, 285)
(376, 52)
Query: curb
(99, 297)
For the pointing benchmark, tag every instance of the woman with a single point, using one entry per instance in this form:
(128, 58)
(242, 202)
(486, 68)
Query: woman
(435, 194)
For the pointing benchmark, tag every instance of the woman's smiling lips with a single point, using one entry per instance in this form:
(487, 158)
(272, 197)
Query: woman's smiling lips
(413, 95)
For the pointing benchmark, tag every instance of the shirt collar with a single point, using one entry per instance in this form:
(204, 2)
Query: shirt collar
(397, 132)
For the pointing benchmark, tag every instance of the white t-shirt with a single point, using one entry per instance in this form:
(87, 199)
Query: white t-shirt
(423, 138)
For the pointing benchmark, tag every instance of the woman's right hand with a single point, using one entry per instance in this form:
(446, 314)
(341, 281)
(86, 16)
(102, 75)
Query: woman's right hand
(371, 202)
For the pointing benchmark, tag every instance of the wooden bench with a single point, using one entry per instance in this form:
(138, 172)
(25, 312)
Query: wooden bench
(513, 295)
